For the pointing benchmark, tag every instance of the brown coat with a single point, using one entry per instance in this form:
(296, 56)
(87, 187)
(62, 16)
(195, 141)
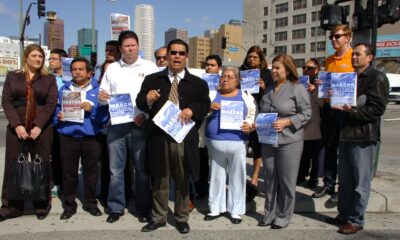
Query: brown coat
(45, 90)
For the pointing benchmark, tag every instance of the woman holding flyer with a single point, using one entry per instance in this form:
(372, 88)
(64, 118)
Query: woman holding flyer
(281, 160)
(232, 114)
(255, 59)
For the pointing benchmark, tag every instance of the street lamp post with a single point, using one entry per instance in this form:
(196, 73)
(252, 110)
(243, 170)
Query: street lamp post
(254, 30)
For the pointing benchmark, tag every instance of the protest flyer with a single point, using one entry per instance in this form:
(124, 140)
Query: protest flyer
(266, 133)
(212, 81)
(250, 80)
(167, 120)
(121, 109)
(304, 80)
(231, 117)
(323, 89)
(71, 106)
(344, 89)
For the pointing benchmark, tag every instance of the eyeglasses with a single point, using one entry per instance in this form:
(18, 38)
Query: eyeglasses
(161, 57)
(181, 53)
(227, 77)
(336, 36)
(54, 59)
(309, 68)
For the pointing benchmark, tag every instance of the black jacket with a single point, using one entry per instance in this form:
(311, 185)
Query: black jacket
(193, 94)
(363, 121)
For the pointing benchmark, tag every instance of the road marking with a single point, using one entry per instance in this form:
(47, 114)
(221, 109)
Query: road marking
(392, 119)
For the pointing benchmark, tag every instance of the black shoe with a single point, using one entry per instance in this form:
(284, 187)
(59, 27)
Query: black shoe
(113, 217)
(210, 217)
(273, 226)
(42, 215)
(334, 198)
(324, 191)
(144, 218)
(8, 215)
(183, 227)
(66, 215)
(93, 211)
(263, 224)
(151, 226)
(335, 221)
(236, 220)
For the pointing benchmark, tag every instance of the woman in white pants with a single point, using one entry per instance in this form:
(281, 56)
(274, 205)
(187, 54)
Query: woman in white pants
(227, 146)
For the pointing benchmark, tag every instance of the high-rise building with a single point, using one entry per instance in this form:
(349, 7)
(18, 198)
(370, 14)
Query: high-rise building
(210, 33)
(174, 33)
(144, 28)
(54, 34)
(73, 51)
(200, 48)
(85, 42)
(287, 27)
(233, 54)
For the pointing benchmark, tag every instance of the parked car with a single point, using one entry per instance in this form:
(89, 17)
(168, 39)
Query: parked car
(394, 87)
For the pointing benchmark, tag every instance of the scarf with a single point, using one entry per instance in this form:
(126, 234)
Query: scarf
(30, 113)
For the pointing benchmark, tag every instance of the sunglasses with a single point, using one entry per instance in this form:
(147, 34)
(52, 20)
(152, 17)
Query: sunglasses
(181, 53)
(336, 36)
(161, 57)
(309, 68)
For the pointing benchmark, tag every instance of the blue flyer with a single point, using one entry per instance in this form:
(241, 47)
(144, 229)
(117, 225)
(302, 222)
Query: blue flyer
(121, 108)
(344, 89)
(250, 80)
(266, 133)
(66, 64)
(304, 80)
(212, 81)
(323, 89)
(231, 115)
(167, 120)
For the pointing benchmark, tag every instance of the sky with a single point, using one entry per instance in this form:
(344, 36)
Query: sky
(194, 15)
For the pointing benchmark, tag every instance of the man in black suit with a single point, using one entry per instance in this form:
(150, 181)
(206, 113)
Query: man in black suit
(165, 157)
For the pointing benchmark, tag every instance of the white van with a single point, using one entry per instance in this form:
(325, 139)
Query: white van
(394, 87)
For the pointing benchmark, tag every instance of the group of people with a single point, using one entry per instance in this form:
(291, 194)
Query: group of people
(141, 154)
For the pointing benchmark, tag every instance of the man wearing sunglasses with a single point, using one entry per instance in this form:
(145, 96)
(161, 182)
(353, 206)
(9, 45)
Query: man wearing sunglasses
(161, 57)
(166, 157)
(340, 61)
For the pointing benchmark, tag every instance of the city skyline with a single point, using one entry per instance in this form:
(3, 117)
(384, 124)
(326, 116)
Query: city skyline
(195, 16)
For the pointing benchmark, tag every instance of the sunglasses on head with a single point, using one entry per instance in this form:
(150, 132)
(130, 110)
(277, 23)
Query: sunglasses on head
(336, 36)
(309, 68)
(181, 53)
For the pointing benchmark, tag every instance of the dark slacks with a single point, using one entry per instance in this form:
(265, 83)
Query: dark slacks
(88, 150)
(310, 156)
(178, 169)
(202, 184)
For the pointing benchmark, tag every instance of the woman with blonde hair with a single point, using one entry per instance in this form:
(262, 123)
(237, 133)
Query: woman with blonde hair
(29, 100)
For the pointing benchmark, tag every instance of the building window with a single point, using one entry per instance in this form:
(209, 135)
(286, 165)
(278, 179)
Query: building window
(280, 50)
(265, 38)
(281, 22)
(300, 19)
(316, 16)
(265, 11)
(280, 36)
(265, 51)
(299, 34)
(318, 2)
(299, 62)
(299, 4)
(265, 25)
(320, 46)
(282, 8)
(298, 48)
(317, 31)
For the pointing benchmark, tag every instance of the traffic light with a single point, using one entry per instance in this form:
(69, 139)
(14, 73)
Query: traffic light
(388, 12)
(223, 42)
(41, 8)
(363, 14)
(332, 15)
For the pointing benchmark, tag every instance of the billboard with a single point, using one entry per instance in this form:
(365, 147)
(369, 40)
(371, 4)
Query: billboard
(388, 46)
(7, 64)
(119, 23)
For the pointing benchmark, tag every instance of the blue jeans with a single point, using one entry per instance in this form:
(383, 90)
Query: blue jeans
(355, 175)
(124, 139)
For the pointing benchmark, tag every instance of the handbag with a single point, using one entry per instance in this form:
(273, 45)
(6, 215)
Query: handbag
(29, 179)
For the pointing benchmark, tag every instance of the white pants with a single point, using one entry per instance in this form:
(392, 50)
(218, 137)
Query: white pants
(227, 157)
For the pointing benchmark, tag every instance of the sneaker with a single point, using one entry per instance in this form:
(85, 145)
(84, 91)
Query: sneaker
(54, 191)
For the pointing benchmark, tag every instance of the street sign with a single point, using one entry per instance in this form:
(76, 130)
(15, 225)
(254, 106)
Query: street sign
(85, 51)
(233, 49)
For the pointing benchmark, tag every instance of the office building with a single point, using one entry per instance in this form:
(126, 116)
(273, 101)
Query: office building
(73, 51)
(200, 48)
(174, 33)
(54, 33)
(85, 42)
(144, 28)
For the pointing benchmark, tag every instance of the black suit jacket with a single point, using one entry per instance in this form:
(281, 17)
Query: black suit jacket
(193, 94)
